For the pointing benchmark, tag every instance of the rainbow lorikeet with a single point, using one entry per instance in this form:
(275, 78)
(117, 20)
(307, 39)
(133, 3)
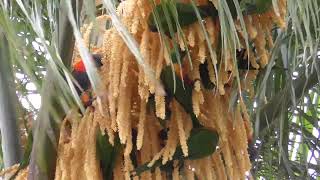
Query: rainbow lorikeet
(80, 74)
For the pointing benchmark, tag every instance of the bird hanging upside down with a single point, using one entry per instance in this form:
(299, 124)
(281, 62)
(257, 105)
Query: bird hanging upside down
(80, 74)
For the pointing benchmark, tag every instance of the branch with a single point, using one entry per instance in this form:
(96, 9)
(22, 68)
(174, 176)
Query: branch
(298, 167)
(66, 37)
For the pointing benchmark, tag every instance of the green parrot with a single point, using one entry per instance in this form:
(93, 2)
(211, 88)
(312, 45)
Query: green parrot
(186, 14)
(182, 93)
(201, 143)
(107, 154)
(255, 6)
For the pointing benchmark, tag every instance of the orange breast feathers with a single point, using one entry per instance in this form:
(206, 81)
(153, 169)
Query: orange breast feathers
(79, 66)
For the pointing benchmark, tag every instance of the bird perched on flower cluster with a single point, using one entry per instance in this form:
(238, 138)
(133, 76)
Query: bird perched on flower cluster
(81, 76)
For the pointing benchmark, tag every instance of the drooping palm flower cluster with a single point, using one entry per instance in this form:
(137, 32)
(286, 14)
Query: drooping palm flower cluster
(188, 131)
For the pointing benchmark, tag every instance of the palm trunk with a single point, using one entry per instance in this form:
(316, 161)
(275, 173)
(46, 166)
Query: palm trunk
(8, 115)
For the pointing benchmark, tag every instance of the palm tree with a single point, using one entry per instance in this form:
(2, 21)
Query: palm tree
(252, 63)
